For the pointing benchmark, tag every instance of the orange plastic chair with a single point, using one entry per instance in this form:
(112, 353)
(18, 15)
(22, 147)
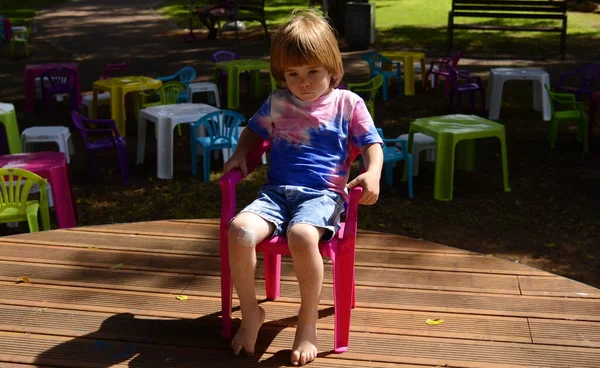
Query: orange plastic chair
(340, 249)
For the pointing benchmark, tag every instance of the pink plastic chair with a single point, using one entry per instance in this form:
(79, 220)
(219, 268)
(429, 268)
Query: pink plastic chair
(442, 71)
(340, 249)
(108, 68)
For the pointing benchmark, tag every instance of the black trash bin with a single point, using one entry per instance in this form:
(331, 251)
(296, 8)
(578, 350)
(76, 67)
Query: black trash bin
(359, 24)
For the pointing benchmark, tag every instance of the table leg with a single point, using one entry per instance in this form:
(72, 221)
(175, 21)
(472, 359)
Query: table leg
(164, 150)
(12, 132)
(233, 90)
(141, 140)
(502, 138)
(29, 91)
(543, 97)
(465, 155)
(443, 181)
(495, 98)
(94, 109)
(61, 193)
(423, 74)
(592, 114)
(409, 76)
(255, 83)
(117, 109)
(78, 89)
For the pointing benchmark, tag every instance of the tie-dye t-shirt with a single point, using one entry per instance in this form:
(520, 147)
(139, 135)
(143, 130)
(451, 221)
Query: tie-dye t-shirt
(312, 142)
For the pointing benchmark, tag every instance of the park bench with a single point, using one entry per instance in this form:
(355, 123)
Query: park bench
(510, 9)
(250, 10)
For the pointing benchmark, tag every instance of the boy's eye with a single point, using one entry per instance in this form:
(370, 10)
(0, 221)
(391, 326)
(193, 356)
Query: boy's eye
(313, 72)
(292, 74)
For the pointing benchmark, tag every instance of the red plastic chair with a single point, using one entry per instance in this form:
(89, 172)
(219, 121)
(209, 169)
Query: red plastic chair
(108, 68)
(439, 68)
(340, 249)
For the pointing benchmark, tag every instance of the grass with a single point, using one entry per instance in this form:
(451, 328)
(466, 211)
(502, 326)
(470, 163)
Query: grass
(21, 12)
(421, 24)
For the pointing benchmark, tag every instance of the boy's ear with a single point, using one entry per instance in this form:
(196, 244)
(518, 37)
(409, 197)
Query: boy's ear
(335, 80)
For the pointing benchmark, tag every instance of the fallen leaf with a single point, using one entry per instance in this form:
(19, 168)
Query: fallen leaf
(554, 270)
(40, 310)
(434, 322)
(182, 297)
(550, 245)
(24, 279)
(118, 265)
(93, 248)
(590, 256)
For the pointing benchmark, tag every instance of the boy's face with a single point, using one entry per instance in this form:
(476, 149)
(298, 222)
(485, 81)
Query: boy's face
(308, 82)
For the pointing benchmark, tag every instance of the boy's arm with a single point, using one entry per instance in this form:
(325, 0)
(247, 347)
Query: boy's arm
(372, 156)
(248, 142)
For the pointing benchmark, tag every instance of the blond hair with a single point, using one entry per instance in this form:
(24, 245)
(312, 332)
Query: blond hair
(307, 38)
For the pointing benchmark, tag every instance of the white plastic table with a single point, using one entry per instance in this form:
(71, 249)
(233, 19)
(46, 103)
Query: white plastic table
(541, 100)
(166, 118)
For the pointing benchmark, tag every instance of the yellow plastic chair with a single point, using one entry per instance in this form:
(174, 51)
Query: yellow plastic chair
(369, 90)
(15, 205)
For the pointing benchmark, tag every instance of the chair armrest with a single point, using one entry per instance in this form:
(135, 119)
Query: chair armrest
(352, 213)
(167, 78)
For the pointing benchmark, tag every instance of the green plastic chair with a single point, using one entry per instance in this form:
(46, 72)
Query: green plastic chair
(15, 205)
(9, 119)
(457, 133)
(167, 94)
(576, 113)
(368, 89)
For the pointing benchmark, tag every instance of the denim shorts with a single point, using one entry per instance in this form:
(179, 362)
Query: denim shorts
(286, 205)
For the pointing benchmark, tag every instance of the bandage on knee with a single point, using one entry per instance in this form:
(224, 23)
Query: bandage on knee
(246, 237)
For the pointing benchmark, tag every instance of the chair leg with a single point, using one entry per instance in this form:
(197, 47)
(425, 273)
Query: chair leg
(226, 291)
(272, 275)
(91, 167)
(385, 88)
(343, 271)
(124, 163)
(409, 170)
(206, 166)
(32, 221)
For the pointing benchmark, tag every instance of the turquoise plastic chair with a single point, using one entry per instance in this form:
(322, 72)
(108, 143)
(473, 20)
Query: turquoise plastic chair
(15, 206)
(391, 155)
(185, 75)
(221, 133)
(368, 91)
(576, 113)
(379, 64)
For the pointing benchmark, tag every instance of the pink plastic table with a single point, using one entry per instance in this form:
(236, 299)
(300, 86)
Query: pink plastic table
(592, 114)
(35, 70)
(52, 166)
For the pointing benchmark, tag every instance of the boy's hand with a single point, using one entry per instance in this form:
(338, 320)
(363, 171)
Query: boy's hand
(236, 162)
(370, 184)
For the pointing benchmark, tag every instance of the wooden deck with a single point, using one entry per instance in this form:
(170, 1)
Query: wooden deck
(105, 296)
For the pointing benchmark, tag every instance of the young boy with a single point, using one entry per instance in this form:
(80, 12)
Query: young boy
(313, 128)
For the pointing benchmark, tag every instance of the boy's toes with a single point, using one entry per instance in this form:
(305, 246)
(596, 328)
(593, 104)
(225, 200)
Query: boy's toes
(236, 346)
(295, 358)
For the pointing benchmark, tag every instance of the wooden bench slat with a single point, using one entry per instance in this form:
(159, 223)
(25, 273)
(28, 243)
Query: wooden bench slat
(507, 15)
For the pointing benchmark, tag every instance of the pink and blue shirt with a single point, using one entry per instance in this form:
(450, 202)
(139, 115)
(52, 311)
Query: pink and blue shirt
(313, 143)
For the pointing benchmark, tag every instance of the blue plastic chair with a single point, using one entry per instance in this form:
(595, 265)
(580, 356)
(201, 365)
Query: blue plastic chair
(222, 129)
(185, 75)
(379, 64)
(391, 155)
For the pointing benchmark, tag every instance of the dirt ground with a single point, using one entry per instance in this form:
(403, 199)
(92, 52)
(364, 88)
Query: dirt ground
(549, 220)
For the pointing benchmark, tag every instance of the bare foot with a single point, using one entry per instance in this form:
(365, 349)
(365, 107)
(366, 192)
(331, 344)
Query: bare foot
(245, 338)
(305, 345)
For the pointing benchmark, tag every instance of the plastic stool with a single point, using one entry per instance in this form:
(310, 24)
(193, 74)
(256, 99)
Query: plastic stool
(204, 87)
(9, 119)
(58, 134)
(421, 142)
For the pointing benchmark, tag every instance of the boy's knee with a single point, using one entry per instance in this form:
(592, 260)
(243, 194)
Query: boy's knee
(243, 234)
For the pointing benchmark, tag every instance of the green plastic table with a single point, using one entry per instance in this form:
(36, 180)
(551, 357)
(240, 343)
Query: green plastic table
(234, 68)
(449, 131)
(9, 119)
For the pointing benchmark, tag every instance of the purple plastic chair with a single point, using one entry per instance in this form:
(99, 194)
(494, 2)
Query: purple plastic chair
(59, 81)
(439, 68)
(461, 82)
(101, 135)
(589, 80)
(224, 55)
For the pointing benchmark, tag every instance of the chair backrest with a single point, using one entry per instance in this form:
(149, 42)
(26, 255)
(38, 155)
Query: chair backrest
(455, 59)
(563, 99)
(15, 186)
(377, 62)
(58, 80)
(169, 92)
(185, 75)
(115, 67)
(90, 129)
(222, 126)
(370, 88)
(224, 55)
(589, 73)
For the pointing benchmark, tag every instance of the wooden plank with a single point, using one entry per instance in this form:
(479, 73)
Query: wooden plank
(556, 286)
(456, 281)
(138, 327)
(553, 332)
(84, 352)
(95, 278)
(393, 259)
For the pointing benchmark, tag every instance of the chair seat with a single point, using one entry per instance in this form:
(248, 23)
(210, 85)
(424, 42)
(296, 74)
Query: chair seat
(567, 115)
(101, 145)
(218, 144)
